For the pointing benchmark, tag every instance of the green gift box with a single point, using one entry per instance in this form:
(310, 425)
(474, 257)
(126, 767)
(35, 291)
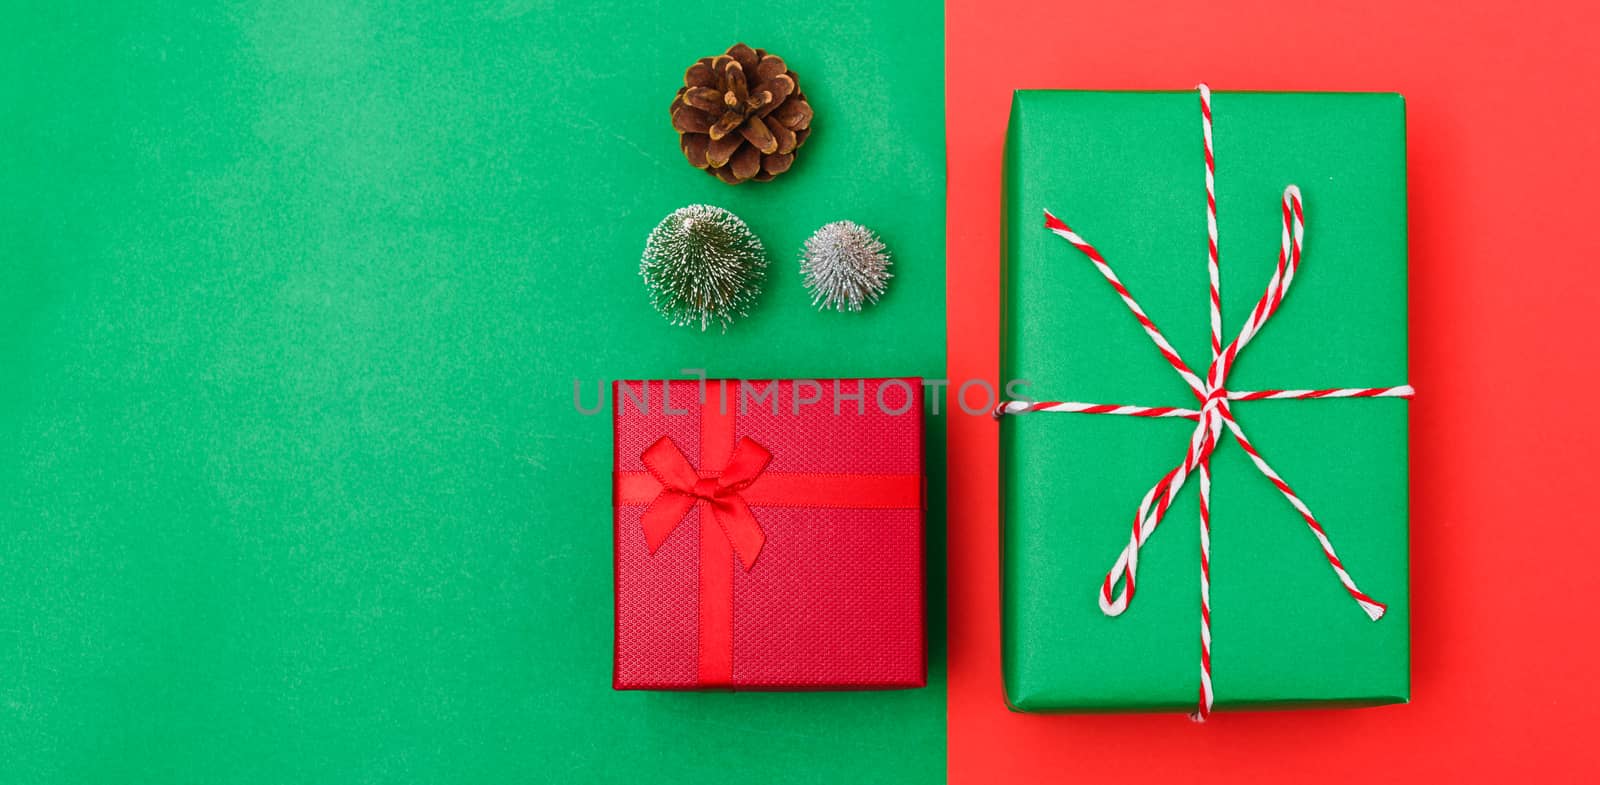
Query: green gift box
(1127, 172)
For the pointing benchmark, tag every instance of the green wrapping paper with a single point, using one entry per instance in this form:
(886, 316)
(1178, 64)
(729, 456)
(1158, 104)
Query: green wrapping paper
(1126, 171)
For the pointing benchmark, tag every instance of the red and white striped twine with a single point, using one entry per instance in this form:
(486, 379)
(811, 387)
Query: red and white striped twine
(1214, 273)
(1214, 412)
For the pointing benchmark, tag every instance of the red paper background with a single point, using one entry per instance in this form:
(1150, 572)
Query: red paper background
(1505, 268)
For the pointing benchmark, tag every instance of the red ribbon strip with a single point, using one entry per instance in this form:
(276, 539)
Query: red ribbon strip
(732, 479)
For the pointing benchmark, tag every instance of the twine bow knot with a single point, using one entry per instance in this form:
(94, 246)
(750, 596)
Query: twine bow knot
(1212, 413)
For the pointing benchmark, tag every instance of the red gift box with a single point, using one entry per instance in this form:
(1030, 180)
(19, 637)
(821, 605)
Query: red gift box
(769, 534)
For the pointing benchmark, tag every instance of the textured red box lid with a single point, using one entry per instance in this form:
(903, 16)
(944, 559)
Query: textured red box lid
(835, 598)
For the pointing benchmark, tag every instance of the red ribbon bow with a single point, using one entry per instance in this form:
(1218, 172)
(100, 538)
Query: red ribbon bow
(682, 488)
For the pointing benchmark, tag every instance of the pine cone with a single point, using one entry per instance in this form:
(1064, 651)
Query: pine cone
(736, 131)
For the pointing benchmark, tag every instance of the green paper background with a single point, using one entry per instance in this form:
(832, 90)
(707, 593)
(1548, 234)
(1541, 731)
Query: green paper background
(1131, 181)
(292, 302)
